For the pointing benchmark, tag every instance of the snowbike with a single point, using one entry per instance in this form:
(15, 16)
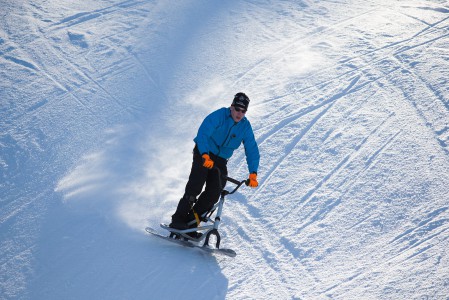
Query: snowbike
(186, 238)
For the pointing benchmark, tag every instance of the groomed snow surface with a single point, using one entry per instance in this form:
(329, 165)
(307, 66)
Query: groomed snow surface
(100, 101)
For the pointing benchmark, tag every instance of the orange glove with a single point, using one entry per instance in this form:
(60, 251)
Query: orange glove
(207, 162)
(253, 180)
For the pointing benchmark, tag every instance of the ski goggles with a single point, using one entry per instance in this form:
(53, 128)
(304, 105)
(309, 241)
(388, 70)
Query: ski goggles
(239, 109)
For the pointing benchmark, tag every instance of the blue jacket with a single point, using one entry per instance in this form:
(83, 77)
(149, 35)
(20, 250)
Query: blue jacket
(220, 135)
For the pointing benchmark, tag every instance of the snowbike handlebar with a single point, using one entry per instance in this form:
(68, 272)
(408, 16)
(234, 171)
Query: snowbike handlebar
(230, 179)
(236, 182)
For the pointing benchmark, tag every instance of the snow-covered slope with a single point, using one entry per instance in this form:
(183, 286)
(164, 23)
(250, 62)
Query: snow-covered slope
(100, 101)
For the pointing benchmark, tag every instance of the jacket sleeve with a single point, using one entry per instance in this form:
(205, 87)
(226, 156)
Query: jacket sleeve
(205, 131)
(251, 151)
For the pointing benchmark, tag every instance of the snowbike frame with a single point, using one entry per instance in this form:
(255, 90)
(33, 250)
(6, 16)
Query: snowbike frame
(207, 216)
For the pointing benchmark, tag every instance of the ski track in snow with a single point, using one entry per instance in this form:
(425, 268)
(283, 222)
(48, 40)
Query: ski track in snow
(349, 106)
(319, 213)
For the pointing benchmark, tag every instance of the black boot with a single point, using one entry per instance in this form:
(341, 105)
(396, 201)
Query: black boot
(179, 218)
(193, 224)
(178, 224)
(195, 235)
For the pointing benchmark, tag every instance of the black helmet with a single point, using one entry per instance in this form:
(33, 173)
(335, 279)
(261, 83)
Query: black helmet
(241, 100)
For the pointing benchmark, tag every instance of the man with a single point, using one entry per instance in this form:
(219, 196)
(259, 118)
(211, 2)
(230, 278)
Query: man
(219, 135)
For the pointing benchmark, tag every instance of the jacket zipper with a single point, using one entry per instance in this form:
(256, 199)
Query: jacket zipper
(227, 136)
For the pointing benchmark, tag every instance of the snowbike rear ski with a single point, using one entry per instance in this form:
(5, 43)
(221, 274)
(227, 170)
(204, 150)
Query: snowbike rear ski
(187, 243)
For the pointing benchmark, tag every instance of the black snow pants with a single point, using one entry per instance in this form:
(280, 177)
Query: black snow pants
(200, 176)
